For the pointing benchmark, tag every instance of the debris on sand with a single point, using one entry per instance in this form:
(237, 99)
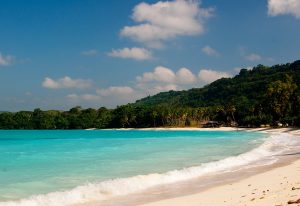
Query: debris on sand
(294, 201)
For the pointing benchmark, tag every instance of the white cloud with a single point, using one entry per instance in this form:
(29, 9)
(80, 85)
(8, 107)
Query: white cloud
(160, 74)
(253, 57)
(210, 51)
(150, 83)
(164, 79)
(115, 91)
(161, 79)
(91, 52)
(6, 60)
(208, 75)
(284, 7)
(185, 76)
(132, 53)
(66, 82)
(165, 20)
(167, 76)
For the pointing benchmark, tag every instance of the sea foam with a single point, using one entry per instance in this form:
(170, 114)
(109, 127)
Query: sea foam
(267, 153)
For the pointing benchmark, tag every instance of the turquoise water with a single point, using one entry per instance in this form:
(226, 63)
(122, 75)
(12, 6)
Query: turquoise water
(39, 162)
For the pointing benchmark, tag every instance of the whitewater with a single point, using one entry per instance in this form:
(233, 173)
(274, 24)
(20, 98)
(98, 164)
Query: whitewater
(62, 168)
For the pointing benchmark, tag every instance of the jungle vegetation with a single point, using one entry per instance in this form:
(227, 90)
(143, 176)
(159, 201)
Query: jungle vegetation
(261, 96)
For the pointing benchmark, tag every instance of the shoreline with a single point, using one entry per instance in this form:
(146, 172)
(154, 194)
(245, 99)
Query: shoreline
(271, 187)
(188, 184)
(290, 130)
(227, 188)
(274, 185)
(189, 192)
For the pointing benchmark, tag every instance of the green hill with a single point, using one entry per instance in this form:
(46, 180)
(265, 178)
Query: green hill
(248, 85)
(263, 95)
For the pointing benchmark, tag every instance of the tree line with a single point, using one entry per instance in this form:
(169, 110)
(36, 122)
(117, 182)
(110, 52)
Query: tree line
(261, 96)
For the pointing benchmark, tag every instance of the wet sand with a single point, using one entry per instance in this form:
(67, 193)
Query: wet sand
(275, 184)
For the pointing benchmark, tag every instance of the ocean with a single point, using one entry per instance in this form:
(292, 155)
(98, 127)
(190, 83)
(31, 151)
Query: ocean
(60, 168)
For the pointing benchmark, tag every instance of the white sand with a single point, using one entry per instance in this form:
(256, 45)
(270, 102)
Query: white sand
(191, 129)
(271, 188)
(267, 189)
(269, 130)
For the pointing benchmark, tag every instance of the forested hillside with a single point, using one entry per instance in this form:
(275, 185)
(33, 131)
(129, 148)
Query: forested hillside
(263, 95)
(249, 86)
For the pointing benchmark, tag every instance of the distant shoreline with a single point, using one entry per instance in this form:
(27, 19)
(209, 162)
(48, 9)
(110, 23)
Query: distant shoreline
(294, 131)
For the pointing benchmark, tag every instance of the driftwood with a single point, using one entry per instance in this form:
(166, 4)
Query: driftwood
(294, 201)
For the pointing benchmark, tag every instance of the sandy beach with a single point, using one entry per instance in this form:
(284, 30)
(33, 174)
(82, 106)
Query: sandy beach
(278, 187)
(273, 185)
(267, 173)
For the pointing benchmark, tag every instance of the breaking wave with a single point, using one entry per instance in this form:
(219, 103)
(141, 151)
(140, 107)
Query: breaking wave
(267, 153)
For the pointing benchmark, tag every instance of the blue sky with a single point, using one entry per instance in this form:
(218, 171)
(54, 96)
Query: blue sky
(58, 54)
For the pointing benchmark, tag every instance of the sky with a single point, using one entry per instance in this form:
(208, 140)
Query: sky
(57, 54)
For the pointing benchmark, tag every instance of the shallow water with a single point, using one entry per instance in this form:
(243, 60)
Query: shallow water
(105, 163)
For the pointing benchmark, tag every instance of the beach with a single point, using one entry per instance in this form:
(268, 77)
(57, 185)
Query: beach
(221, 166)
(277, 187)
(150, 103)
(274, 187)
(275, 184)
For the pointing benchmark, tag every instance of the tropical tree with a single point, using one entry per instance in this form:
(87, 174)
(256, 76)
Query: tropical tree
(279, 97)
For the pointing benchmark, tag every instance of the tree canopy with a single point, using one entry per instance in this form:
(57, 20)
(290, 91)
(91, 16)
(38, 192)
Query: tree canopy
(262, 95)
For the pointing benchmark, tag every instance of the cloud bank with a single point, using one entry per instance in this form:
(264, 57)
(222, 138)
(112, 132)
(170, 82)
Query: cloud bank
(284, 7)
(165, 75)
(132, 53)
(160, 79)
(162, 21)
(66, 82)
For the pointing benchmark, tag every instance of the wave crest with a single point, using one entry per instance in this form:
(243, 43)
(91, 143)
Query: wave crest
(267, 153)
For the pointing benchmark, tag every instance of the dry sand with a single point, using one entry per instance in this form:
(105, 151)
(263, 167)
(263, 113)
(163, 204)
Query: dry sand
(275, 186)
(272, 188)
